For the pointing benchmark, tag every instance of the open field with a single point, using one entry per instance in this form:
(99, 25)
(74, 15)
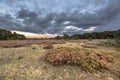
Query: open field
(25, 60)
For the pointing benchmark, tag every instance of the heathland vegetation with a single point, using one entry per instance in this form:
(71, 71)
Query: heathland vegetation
(58, 60)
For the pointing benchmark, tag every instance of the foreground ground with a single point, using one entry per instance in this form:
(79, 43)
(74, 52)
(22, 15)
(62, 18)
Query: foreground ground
(23, 60)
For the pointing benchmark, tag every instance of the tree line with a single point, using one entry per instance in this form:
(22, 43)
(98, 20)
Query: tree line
(8, 35)
(93, 35)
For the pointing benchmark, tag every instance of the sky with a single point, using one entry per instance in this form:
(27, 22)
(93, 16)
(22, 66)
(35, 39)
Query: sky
(60, 16)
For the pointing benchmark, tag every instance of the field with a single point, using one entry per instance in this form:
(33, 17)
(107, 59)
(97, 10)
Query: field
(34, 60)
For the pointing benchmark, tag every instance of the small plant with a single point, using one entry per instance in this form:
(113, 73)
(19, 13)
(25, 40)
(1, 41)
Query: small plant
(90, 39)
(48, 46)
(20, 57)
(89, 46)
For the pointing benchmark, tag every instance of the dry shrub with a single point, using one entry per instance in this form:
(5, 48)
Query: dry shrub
(88, 60)
(48, 46)
(89, 46)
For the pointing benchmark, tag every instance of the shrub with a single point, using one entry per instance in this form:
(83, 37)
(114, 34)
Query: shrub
(48, 46)
(90, 39)
(111, 43)
(86, 59)
(89, 46)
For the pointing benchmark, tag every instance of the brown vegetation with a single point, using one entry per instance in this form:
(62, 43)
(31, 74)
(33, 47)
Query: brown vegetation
(48, 46)
(89, 46)
(88, 60)
(23, 43)
(29, 62)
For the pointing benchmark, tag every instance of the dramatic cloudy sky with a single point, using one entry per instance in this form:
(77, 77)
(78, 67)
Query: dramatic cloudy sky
(60, 16)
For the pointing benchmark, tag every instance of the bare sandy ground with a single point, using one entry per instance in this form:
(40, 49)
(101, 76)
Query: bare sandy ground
(35, 35)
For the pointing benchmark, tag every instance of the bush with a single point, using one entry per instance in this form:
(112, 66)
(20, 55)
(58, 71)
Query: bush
(90, 39)
(48, 46)
(8, 35)
(111, 43)
(86, 59)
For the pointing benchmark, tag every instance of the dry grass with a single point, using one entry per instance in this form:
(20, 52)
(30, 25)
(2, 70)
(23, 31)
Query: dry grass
(27, 62)
(20, 63)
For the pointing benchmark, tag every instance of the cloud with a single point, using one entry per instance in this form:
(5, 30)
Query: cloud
(91, 29)
(45, 16)
(74, 29)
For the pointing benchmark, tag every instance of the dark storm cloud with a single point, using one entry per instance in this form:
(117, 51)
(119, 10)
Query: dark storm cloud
(24, 13)
(80, 20)
(51, 17)
(112, 10)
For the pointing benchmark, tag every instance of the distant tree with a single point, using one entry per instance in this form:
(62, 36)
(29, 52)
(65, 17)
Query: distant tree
(94, 35)
(65, 36)
(7, 35)
(57, 37)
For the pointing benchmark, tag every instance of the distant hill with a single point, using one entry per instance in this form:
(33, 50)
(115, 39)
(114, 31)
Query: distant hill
(8, 35)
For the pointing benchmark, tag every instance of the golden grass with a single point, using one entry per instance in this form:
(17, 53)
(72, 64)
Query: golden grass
(20, 63)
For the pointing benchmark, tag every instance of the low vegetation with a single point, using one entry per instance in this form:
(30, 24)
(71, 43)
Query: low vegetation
(66, 60)
(48, 46)
(88, 60)
(110, 43)
(23, 43)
